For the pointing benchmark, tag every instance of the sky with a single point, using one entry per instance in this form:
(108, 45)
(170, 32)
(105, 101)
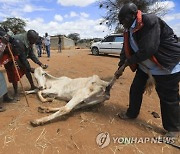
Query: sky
(71, 16)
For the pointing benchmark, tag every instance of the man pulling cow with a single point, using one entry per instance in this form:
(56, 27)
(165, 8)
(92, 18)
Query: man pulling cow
(150, 42)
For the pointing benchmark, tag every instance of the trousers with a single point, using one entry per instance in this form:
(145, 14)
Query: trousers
(167, 88)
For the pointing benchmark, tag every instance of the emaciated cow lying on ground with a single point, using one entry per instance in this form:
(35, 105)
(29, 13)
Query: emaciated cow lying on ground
(78, 92)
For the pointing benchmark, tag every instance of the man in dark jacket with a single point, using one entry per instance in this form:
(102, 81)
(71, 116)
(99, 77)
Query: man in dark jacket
(24, 46)
(150, 42)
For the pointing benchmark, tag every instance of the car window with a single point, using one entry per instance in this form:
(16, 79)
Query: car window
(118, 39)
(108, 39)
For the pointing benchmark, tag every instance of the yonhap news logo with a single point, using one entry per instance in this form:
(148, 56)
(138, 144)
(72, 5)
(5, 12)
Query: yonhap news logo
(103, 139)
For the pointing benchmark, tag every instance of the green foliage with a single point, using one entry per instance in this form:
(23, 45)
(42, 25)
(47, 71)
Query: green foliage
(16, 25)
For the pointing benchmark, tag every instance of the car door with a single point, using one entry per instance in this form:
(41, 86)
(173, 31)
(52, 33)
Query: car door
(117, 44)
(106, 45)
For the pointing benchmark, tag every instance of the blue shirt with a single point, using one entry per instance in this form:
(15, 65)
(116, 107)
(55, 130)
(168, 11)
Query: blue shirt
(154, 68)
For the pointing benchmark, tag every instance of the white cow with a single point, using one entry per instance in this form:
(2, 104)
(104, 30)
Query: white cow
(78, 92)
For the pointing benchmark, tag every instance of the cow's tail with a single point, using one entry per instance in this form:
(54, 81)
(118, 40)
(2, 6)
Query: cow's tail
(150, 82)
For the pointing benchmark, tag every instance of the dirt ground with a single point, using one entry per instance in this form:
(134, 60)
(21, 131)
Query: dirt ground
(77, 132)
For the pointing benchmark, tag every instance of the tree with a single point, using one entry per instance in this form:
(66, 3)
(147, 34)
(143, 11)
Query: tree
(16, 25)
(74, 36)
(113, 7)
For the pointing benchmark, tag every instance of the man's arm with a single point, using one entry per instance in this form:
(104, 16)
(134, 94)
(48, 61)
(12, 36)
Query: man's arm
(33, 56)
(35, 59)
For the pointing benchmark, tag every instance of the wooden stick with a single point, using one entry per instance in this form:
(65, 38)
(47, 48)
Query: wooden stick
(10, 51)
(113, 80)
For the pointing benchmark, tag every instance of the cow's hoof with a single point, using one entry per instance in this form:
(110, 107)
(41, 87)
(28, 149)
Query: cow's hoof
(34, 123)
(43, 109)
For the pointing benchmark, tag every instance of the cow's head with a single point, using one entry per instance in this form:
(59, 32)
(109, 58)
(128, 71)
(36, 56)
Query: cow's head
(40, 76)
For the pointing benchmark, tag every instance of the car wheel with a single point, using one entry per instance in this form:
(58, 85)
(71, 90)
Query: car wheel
(95, 51)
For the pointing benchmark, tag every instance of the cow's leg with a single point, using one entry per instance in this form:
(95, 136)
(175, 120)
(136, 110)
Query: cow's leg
(41, 97)
(84, 104)
(31, 91)
(43, 100)
(47, 109)
(78, 98)
(81, 105)
(87, 103)
(62, 111)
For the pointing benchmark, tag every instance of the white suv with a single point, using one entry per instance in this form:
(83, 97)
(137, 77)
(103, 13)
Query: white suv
(111, 44)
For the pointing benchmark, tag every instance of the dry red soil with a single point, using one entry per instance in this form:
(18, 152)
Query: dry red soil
(77, 132)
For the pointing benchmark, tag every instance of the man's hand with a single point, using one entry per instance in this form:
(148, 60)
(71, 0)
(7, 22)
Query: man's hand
(44, 66)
